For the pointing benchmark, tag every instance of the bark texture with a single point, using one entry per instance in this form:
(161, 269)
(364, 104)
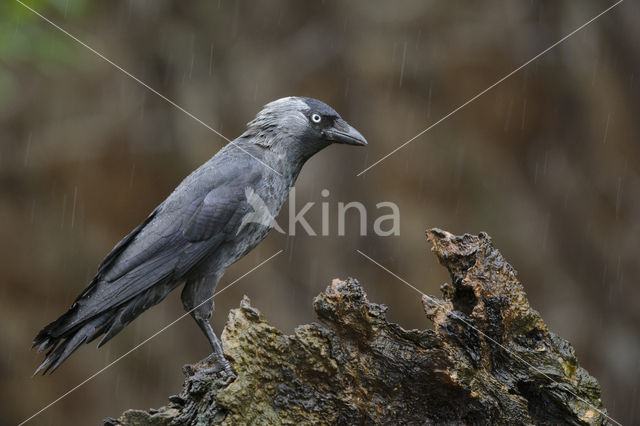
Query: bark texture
(490, 359)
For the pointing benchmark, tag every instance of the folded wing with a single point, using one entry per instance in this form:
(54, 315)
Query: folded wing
(161, 250)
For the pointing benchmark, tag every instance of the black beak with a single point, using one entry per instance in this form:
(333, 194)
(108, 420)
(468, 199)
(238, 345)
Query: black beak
(342, 132)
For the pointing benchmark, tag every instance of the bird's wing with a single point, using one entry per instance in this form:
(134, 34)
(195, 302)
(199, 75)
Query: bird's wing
(212, 214)
(122, 244)
(166, 246)
(169, 246)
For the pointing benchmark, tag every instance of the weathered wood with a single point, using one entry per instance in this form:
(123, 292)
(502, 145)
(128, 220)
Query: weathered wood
(489, 360)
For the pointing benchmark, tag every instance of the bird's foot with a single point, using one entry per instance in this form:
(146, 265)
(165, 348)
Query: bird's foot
(219, 365)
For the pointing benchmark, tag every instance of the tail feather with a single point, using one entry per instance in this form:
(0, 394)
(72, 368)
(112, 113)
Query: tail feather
(134, 307)
(103, 328)
(115, 326)
(44, 345)
(60, 351)
(63, 336)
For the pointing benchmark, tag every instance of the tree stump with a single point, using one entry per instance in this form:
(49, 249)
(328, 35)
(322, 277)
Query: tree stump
(490, 359)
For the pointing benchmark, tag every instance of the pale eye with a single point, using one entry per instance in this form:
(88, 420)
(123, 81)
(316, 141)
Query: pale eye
(316, 118)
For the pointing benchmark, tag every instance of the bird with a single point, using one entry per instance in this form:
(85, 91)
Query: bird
(198, 231)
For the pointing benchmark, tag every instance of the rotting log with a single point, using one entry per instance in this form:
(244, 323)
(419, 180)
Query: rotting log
(490, 359)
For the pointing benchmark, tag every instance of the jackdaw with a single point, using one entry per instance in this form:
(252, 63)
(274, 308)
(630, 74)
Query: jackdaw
(195, 234)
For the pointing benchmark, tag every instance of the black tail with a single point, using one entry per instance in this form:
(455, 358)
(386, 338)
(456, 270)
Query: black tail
(61, 345)
(64, 335)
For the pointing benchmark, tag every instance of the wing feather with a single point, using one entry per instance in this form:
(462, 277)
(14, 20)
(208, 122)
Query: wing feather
(163, 248)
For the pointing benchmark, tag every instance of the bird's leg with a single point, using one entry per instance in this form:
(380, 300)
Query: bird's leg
(197, 300)
(217, 354)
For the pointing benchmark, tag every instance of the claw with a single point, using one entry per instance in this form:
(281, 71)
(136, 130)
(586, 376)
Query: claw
(219, 365)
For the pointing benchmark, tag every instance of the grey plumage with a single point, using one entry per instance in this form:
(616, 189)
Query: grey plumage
(194, 235)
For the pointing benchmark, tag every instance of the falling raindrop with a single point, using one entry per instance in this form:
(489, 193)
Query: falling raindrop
(619, 196)
(64, 208)
(193, 55)
(459, 167)
(291, 241)
(73, 208)
(507, 121)
(211, 60)
(429, 99)
(545, 230)
(402, 64)
(606, 129)
(28, 149)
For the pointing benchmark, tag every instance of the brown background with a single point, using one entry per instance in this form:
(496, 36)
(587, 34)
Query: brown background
(547, 163)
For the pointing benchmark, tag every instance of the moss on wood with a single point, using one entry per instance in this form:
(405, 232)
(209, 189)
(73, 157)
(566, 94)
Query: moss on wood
(490, 359)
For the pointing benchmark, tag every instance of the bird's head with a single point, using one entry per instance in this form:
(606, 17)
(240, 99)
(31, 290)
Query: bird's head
(302, 124)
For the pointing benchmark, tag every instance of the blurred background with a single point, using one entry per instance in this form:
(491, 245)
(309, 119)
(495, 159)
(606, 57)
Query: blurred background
(547, 163)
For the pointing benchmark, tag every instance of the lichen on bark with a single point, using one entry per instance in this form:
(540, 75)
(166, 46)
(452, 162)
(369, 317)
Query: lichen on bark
(490, 359)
